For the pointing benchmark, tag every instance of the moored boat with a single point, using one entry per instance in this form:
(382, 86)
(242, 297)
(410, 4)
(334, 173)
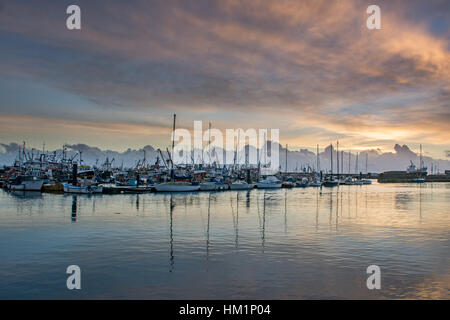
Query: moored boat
(241, 185)
(304, 183)
(26, 183)
(331, 183)
(69, 188)
(177, 187)
(270, 182)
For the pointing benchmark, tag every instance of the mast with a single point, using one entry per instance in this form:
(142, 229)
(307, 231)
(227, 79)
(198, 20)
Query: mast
(286, 157)
(265, 149)
(173, 145)
(317, 164)
(331, 153)
(367, 160)
(349, 156)
(337, 158)
(356, 164)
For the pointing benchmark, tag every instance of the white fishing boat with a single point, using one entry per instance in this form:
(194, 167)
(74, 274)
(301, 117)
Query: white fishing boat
(26, 183)
(177, 187)
(241, 185)
(69, 188)
(270, 182)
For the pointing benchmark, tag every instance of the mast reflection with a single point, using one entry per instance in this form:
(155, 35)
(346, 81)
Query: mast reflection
(74, 208)
(172, 259)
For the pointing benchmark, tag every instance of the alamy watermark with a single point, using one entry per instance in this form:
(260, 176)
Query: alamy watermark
(73, 22)
(74, 280)
(252, 147)
(374, 280)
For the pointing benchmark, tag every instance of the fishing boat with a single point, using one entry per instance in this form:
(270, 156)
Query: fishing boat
(177, 187)
(315, 182)
(241, 185)
(270, 182)
(330, 183)
(366, 181)
(418, 180)
(69, 188)
(26, 183)
(303, 183)
(53, 187)
(288, 184)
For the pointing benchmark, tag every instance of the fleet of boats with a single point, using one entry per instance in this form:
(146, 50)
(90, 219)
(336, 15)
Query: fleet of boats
(73, 176)
(62, 173)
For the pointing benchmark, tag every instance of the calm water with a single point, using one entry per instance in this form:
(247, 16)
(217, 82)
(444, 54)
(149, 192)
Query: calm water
(282, 244)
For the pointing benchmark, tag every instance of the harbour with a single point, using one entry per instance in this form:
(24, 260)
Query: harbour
(61, 173)
(215, 157)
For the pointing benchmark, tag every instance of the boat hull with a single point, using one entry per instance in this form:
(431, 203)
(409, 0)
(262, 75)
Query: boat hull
(176, 188)
(315, 184)
(208, 187)
(58, 187)
(244, 186)
(330, 183)
(27, 186)
(76, 189)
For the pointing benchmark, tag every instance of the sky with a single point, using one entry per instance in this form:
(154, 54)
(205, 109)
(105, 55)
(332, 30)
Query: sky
(310, 68)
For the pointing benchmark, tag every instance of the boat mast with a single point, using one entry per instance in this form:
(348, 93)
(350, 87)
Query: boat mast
(209, 144)
(331, 153)
(317, 164)
(337, 158)
(286, 157)
(367, 160)
(265, 149)
(173, 145)
(349, 166)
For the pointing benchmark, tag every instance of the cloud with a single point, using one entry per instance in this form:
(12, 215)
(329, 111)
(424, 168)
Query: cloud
(313, 63)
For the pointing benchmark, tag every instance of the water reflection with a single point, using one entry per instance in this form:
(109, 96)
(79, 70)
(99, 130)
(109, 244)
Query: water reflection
(235, 216)
(172, 258)
(207, 226)
(74, 208)
(273, 244)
